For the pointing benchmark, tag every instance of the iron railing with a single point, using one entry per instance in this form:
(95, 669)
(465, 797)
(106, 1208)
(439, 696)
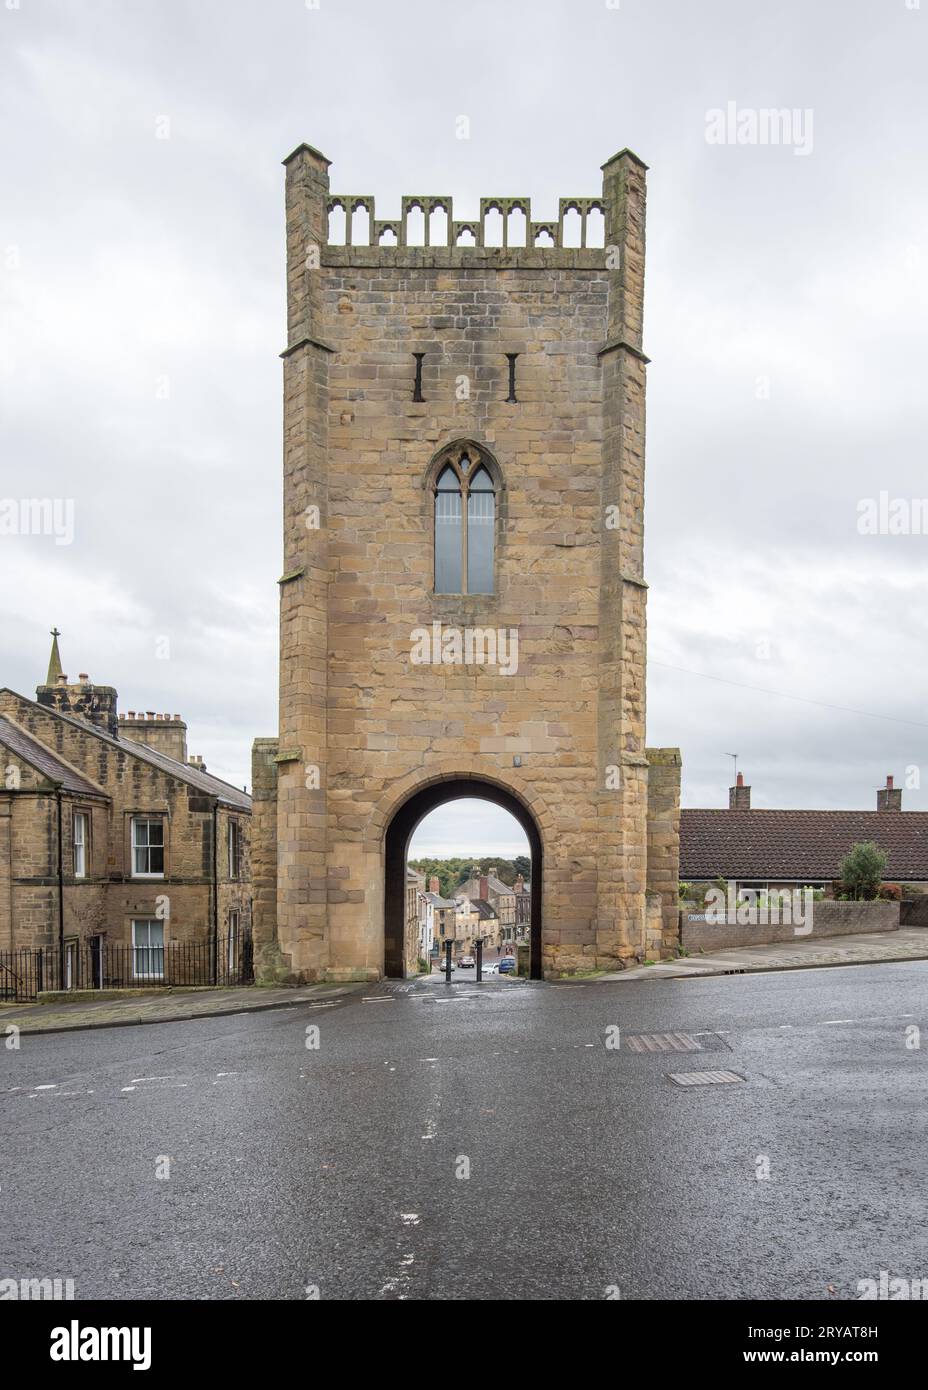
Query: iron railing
(26, 972)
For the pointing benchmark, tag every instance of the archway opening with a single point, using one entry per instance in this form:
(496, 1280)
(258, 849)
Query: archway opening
(398, 888)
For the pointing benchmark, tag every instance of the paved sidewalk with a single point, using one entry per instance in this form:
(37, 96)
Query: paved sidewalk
(909, 943)
(167, 1006)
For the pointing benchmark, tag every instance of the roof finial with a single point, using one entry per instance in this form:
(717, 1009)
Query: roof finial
(54, 661)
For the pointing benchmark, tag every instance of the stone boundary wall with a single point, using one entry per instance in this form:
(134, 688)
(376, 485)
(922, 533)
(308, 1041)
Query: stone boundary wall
(828, 919)
(913, 912)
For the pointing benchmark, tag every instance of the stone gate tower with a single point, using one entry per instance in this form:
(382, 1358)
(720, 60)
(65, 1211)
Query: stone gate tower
(462, 596)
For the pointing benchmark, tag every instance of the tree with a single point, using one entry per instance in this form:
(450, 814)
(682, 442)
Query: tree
(862, 870)
(523, 865)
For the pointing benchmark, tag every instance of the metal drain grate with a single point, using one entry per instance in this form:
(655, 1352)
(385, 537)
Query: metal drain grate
(704, 1078)
(661, 1042)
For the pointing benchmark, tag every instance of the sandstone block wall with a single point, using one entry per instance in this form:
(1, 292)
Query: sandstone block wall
(362, 726)
(108, 898)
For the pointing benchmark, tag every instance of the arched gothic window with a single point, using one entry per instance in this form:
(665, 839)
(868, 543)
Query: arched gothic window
(465, 525)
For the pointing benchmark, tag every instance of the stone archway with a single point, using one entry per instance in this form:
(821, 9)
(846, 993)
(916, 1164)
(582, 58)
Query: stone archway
(399, 832)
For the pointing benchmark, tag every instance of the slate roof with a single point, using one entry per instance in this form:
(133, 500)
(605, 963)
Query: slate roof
(483, 908)
(798, 845)
(494, 884)
(44, 760)
(202, 781)
(438, 901)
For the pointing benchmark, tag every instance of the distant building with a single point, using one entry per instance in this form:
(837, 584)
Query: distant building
(523, 892)
(437, 916)
(502, 898)
(488, 927)
(760, 849)
(415, 886)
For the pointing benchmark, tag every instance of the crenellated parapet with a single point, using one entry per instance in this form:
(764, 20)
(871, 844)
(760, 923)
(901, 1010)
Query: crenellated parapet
(470, 233)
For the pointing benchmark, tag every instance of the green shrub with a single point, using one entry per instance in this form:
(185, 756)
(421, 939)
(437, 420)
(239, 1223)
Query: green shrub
(862, 870)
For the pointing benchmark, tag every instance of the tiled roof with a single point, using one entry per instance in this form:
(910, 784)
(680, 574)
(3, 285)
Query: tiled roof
(482, 907)
(43, 759)
(203, 781)
(798, 844)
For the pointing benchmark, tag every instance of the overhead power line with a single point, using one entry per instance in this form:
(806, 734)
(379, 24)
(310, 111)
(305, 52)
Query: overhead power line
(785, 695)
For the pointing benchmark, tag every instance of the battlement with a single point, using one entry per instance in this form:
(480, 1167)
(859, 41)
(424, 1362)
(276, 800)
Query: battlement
(510, 233)
(344, 230)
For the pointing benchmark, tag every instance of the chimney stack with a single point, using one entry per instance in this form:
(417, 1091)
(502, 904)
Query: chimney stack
(739, 796)
(160, 731)
(94, 703)
(482, 882)
(889, 798)
(434, 885)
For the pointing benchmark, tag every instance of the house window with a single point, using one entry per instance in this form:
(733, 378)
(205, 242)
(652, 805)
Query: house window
(147, 949)
(81, 839)
(147, 848)
(465, 526)
(235, 849)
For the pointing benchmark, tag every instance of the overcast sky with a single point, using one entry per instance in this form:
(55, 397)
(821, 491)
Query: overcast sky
(142, 313)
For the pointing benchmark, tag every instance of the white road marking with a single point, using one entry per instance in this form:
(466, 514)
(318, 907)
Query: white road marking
(50, 1086)
(825, 1021)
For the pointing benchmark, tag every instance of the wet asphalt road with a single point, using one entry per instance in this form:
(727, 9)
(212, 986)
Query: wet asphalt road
(340, 1168)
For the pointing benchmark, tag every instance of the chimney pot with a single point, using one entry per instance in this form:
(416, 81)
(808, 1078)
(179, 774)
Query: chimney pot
(83, 677)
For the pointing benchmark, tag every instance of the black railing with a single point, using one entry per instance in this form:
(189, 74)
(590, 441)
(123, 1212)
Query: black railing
(25, 973)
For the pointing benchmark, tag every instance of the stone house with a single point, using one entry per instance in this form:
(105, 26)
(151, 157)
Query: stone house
(502, 898)
(412, 951)
(109, 841)
(473, 918)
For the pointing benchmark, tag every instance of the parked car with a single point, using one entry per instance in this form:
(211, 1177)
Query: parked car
(507, 966)
(466, 962)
